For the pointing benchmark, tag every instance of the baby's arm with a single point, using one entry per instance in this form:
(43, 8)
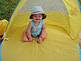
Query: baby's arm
(28, 31)
(43, 33)
(43, 29)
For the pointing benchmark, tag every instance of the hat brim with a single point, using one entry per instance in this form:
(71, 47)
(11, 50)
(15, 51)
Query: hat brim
(43, 16)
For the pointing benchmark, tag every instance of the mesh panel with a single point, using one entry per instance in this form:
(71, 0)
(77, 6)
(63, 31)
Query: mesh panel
(48, 5)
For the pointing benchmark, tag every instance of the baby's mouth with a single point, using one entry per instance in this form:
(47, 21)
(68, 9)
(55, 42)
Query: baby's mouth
(37, 19)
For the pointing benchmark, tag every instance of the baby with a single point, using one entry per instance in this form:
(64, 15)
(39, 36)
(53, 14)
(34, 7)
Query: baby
(36, 27)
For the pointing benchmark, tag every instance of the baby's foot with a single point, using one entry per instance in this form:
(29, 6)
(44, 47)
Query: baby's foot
(39, 40)
(27, 40)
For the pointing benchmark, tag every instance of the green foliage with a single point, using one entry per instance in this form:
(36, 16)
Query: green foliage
(7, 8)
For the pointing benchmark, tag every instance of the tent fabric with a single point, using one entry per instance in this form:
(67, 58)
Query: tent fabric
(62, 34)
(74, 15)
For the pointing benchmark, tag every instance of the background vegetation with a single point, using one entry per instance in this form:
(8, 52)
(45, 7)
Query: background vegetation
(7, 8)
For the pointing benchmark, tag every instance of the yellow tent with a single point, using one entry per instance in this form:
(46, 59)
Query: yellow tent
(62, 38)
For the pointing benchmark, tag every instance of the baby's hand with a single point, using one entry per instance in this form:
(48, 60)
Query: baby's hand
(26, 38)
(30, 39)
(40, 39)
(43, 36)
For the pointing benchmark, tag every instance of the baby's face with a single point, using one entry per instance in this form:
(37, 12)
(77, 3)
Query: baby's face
(37, 17)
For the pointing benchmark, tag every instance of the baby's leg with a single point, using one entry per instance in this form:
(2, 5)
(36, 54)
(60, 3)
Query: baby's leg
(42, 37)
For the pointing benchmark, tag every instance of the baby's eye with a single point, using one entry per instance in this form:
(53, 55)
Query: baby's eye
(39, 16)
(35, 16)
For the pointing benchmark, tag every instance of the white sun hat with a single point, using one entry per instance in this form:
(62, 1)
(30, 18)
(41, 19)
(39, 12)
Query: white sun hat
(37, 10)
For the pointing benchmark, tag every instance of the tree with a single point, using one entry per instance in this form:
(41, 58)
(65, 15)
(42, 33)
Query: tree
(7, 7)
